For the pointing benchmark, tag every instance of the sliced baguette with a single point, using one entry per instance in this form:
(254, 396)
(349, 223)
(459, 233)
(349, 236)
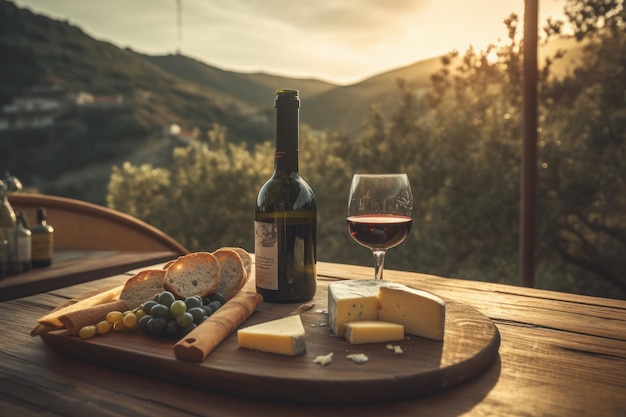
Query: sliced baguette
(197, 273)
(142, 287)
(234, 274)
(245, 258)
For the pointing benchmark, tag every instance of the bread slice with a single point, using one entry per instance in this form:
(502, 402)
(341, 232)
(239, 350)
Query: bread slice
(168, 263)
(245, 258)
(197, 273)
(234, 275)
(142, 287)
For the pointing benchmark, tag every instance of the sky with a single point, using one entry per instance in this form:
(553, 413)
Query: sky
(340, 41)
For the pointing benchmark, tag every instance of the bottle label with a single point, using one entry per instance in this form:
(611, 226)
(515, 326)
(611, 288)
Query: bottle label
(24, 248)
(41, 246)
(266, 255)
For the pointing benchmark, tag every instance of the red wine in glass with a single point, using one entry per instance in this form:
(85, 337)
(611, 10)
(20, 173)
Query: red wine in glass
(379, 231)
(379, 213)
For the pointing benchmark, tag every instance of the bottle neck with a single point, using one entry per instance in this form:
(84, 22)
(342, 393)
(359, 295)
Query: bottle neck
(41, 216)
(287, 135)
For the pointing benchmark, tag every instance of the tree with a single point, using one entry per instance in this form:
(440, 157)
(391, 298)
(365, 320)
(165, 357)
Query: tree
(584, 149)
(204, 200)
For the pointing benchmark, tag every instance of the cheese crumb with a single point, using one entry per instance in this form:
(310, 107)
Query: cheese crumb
(324, 359)
(358, 358)
(396, 349)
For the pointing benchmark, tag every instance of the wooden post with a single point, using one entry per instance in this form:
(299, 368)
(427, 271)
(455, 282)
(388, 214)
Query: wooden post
(529, 148)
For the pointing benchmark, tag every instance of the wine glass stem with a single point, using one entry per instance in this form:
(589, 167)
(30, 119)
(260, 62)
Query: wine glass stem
(379, 261)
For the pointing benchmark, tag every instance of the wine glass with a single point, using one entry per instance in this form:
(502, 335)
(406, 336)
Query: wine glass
(379, 213)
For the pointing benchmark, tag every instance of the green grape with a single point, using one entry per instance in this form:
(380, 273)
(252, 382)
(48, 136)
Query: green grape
(130, 320)
(166, 298)
(143, 322)
(157, 325)
(198, 314)
(103, 327)
(188, 329)
(172, 328)
(184, 320)
(159, 310)
(118, 326)
(216, 296)
(177, 308)
(148, 305)
(214, 306)
(114, 316)
(87, 331)
(193, 301)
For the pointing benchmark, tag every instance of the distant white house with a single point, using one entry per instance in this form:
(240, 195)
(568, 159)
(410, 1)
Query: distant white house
(175, 131)
(36, 108)
(87, 100)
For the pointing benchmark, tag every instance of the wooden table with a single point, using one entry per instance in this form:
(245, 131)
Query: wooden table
(560, 355)
(71, 267)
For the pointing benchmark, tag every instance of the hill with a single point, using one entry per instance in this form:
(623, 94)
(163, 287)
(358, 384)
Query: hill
(35, 48)
(325, 106)
(72, 154)
(256, 89)
(346, 108)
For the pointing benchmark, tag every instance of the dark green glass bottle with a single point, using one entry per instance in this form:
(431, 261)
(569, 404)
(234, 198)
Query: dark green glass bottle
(285, 224)
(42, 240)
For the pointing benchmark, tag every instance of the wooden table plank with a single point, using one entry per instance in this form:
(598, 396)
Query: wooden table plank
(560, 355)
(74, 267)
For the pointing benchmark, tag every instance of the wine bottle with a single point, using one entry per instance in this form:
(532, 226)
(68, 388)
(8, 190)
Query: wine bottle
(42, 240)
(24, 242)
(285, 226)
(8, 222)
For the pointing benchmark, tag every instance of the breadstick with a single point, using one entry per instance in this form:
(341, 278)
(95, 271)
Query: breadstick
(75, 320)
(197, 345)
(52, 319)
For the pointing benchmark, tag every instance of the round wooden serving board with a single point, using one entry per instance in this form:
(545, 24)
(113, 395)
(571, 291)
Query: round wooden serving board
(470, 345)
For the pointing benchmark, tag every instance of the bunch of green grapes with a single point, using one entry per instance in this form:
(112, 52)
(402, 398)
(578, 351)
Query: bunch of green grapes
(166, 316)
(116, 320)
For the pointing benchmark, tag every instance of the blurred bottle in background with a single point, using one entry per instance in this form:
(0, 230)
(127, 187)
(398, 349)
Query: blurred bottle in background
(8, 224)
(24, 242)
(42, 240)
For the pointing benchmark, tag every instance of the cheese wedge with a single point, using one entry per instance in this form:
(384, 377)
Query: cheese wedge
(283, 336)
(351, 301)
(359, 332)
(422, 314)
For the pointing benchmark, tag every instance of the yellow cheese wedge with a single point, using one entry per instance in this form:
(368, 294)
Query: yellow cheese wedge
(422, 314)
(283, 336)
(351, 301)
(359, 332)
